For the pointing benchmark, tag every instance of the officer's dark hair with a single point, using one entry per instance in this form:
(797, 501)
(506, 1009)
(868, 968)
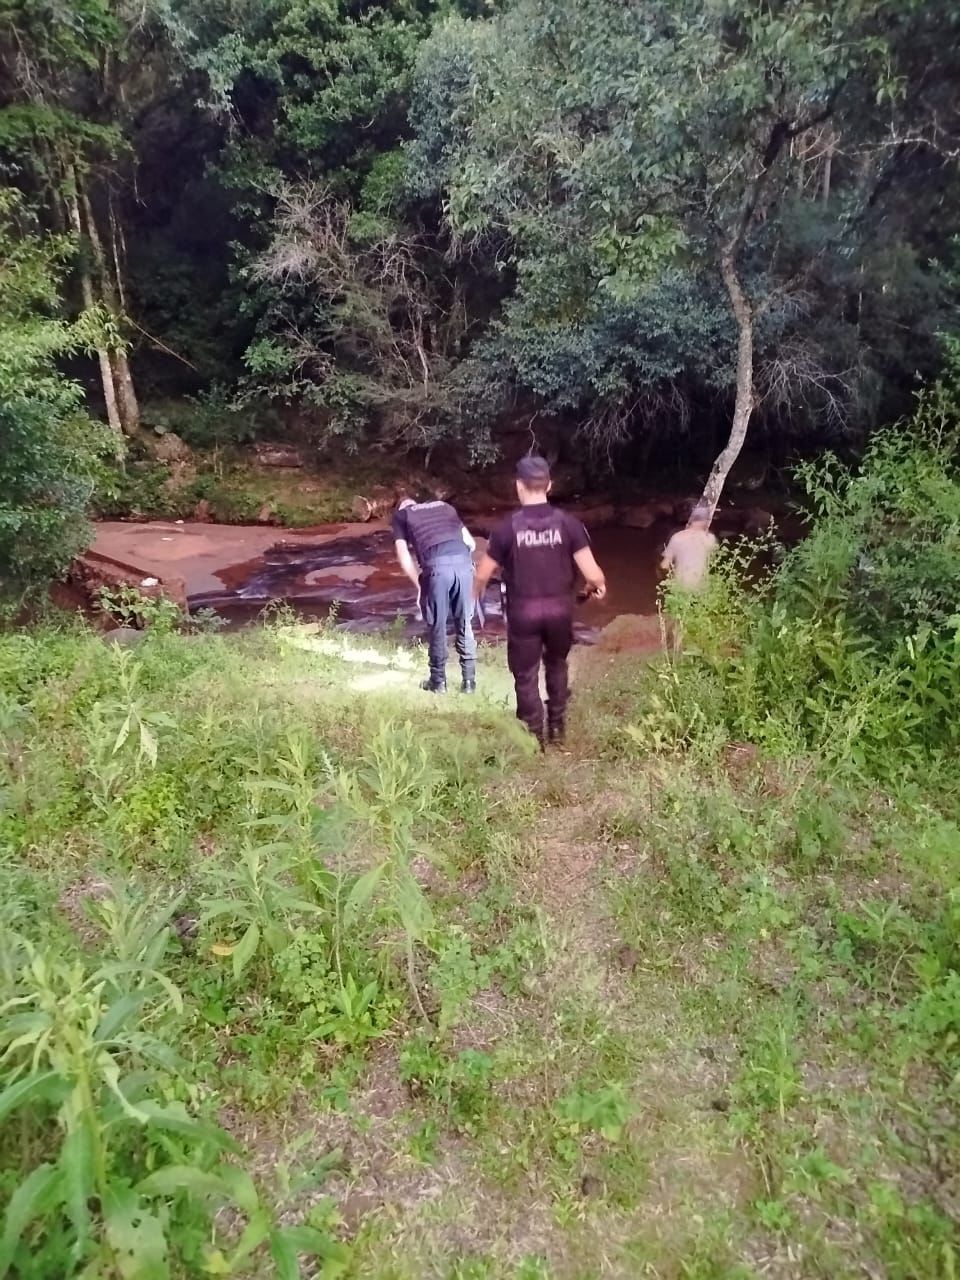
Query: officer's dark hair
(534, 472)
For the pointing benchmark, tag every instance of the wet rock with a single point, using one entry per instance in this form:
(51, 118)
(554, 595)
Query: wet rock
(645, 515)
(278, 455)
(596, 517)
(123, 637)
(170, 448)
(757, 521)
(749, 473)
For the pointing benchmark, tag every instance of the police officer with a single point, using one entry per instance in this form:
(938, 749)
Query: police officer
(537, 550)
(433, 535)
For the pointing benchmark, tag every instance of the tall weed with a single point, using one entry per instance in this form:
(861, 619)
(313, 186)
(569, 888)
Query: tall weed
(850, 648)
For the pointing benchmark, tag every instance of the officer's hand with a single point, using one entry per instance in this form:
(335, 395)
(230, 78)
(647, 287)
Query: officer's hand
(600, 592)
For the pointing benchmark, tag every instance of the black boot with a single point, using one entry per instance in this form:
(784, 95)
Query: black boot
(468, 686)
(556, 728)
(434, 685)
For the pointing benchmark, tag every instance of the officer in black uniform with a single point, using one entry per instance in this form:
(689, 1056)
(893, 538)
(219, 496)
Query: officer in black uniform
(538, 550)
(431, 535)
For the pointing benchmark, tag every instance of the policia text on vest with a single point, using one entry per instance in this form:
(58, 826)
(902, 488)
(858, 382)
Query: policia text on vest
(434, 549)
(537, 551)
(539, 538)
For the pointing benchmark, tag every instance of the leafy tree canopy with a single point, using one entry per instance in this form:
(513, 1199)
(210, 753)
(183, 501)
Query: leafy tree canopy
(600, 147)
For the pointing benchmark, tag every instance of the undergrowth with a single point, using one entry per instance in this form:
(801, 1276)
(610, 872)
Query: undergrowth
(305, 972)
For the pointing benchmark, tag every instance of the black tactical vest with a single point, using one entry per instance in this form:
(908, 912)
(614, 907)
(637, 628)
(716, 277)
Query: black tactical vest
(431, 524)
(541, 560)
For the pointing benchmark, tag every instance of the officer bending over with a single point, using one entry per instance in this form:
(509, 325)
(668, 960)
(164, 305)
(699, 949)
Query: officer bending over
(538, 549)
(434, 535)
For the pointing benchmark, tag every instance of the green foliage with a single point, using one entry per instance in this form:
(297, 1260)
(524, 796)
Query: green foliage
(255, 902)
(80, 1048)
(850, 646)
(604, 153)
(410, 220)
(49, 449)
(211, 421)
(604, 1110)
(884, 548)
(460, 1084)
(690, 981)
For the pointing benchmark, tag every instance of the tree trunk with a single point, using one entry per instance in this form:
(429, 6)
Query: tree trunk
(111, 290)
(743, 405)
(89, 302)
(110, 395)
(127, 392)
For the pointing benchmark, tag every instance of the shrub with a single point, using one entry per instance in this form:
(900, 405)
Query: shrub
(850, 648)
(48, 447)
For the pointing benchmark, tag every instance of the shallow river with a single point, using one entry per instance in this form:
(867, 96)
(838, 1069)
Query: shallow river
(238, 570)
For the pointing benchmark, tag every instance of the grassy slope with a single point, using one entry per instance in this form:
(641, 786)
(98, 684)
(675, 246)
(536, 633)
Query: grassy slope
(691, 1016)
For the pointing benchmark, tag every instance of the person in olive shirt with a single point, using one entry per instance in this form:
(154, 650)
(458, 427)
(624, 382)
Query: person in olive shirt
(537, 551)
(431, 535)
(686, 556)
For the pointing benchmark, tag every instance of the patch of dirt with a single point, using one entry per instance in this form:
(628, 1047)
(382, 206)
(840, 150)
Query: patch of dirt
(634, 633)
(73, 903)
(565, 874)
(491, 1018)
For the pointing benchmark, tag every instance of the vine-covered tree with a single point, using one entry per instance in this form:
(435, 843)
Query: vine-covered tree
(49, 449)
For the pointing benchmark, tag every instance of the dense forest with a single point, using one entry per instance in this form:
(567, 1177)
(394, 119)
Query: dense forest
(410, 224)
(312, 969)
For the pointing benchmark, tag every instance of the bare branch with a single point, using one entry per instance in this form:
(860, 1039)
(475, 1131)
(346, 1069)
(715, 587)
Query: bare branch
(800, 373)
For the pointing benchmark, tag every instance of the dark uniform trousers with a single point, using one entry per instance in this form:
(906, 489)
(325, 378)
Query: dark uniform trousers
(446, 593)
(540, 630)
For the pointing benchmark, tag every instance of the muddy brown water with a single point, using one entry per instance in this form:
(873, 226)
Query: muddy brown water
(357, 577)
(351, 570)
